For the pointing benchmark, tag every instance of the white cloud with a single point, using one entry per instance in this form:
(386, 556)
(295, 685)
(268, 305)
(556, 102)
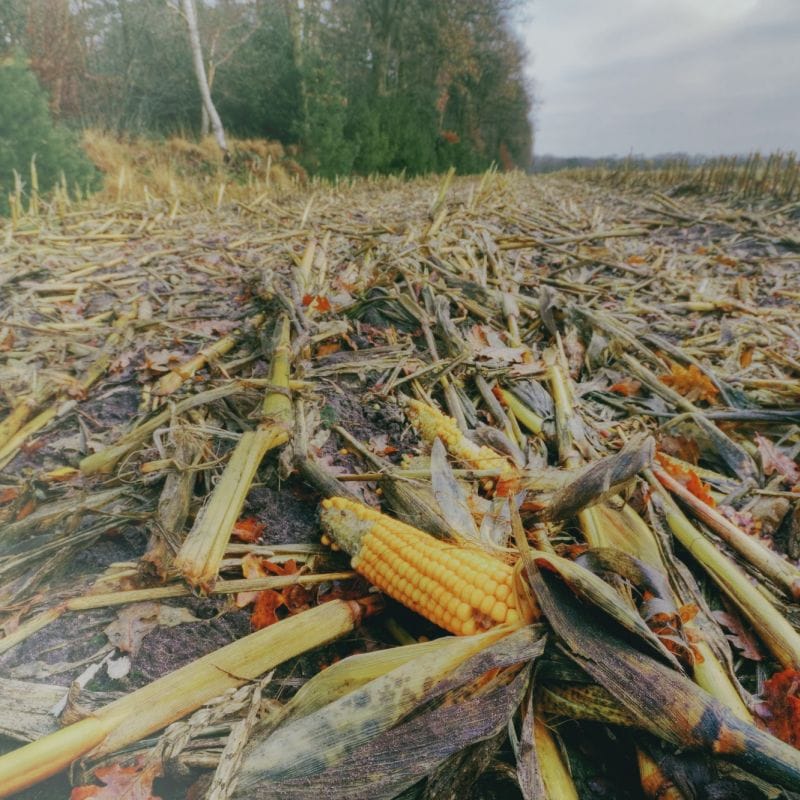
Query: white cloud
(665, 75)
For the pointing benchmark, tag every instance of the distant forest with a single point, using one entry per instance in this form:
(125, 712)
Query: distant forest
(353, 85)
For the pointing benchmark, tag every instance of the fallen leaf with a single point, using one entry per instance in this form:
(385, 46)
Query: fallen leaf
(379, 445)
(501, 355)
(738, 635)
(627, 387)
(26, 509)
(62, 474)
(743, 520)
(215, 326)
(121, 362)
(251, 568)
(287, 568)
(782, 698)
(248, 529)
(134, 622)
(317, 302)
(681, 447)
(774, 461)
(687, 478)
(121, 783)
(160, 360)
(8, 494)
(691, 383)
(264, 610)
(328, 348)
(297, 598)
(6, 339)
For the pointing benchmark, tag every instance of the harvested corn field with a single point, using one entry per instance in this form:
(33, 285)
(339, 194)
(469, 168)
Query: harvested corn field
(457, 487)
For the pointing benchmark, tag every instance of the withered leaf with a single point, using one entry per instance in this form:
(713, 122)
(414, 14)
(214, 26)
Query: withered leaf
(135, 621)
(121, 783)
(691, 383)
(775, 462)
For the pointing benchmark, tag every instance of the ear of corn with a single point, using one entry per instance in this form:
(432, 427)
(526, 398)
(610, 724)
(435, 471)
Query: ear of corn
(432, 423)
(460, 589)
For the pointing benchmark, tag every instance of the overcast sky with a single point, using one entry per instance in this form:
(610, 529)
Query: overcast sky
(658, 76)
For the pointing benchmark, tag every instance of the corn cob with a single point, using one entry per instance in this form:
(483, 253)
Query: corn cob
(459, 589)
(432, 423)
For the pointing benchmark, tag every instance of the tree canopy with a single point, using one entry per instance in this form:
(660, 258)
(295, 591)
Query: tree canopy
(356, 85)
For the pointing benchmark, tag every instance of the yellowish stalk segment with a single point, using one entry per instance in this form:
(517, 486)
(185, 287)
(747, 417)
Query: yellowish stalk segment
(177, 694)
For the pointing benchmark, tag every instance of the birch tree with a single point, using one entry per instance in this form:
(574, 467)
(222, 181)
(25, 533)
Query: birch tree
(190, 15)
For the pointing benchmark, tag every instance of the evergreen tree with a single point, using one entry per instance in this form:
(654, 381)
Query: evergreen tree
(27, 132)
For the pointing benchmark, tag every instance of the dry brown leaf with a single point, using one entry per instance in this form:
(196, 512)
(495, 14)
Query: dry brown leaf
(774, 461)
(134, 622)
(217, 327)
(691, 383)
(739, 636)
(121, 783)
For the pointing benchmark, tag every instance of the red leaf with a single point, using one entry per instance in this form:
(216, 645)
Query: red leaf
(248, 529)
(317, 302)
(627, 387)
(121, 783)
(267, 603)
(322, 304)
(782, 697)
(687, 478)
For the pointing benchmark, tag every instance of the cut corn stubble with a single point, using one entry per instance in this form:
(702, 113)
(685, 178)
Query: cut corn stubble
(459, 589)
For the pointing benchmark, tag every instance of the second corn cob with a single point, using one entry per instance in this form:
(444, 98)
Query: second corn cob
(432, 423)
(460, 589)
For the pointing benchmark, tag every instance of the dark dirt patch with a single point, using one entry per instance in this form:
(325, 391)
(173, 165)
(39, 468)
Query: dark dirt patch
(289, 518)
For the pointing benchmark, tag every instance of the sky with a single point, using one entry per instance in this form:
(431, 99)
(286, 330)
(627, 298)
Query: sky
(664, 76)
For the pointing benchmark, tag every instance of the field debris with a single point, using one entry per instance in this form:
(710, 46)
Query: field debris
(388, 487)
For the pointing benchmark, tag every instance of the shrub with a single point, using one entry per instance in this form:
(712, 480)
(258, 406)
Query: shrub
(27, 131)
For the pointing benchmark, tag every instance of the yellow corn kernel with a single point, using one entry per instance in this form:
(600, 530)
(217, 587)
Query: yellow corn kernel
(432, 423)
(453, 587)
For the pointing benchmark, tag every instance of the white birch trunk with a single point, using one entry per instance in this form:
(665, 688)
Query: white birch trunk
(190, 12)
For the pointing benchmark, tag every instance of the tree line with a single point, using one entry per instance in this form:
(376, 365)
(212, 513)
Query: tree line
(352, 85)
